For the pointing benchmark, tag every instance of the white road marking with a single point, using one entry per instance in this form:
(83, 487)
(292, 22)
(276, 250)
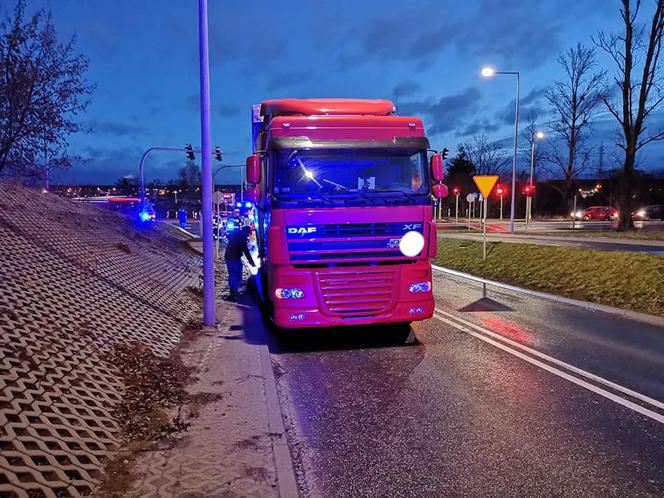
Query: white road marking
(452, 320)
(558, 362)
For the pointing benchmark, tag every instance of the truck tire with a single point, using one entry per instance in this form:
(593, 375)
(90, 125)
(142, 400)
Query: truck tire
(404, 333)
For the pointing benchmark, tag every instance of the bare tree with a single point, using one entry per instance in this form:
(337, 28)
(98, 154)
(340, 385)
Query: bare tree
(574, 102)
(488, 157)
(636, 53)
(42, 89)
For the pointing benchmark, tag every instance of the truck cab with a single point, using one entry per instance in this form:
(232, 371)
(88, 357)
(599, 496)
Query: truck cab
(345, 230)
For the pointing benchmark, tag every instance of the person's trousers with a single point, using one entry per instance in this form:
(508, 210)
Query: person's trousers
(234, 267)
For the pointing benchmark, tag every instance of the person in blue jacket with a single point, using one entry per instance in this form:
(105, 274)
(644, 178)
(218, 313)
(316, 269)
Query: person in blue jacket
(236, 247)
(182, 216)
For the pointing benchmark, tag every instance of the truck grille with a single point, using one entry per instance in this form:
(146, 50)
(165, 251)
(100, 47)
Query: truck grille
(339, 230)
(356, 293)
(345, 241)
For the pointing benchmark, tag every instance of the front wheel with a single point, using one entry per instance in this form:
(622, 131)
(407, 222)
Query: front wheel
(404, 333)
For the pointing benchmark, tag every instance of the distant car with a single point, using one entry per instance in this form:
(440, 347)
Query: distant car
(654, 212)
(600, 213)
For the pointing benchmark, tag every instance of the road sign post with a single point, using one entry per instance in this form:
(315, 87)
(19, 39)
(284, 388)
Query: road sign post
(470, 198)
(457, 209)
(485, 183)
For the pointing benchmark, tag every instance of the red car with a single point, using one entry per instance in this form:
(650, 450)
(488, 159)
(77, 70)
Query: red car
(602, 213)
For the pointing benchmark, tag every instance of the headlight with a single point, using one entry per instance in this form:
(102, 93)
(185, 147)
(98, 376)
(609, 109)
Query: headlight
(579, 214)
(416, 287)
(641, 213)
(411, 243)
(292, 293)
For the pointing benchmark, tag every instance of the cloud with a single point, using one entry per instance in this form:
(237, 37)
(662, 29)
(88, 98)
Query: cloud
(479, 127)
(402, 37)
(282, 79)
(448, 113)
(406, 89)
(229, 109)
(193, 104)
(115, 129)
(519, 34)
(533, 102)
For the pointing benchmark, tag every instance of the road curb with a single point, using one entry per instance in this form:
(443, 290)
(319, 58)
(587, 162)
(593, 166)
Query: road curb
(633, 315)
(194, 237)
(286, 482)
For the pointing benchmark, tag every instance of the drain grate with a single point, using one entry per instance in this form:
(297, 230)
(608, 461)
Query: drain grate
(68, 292)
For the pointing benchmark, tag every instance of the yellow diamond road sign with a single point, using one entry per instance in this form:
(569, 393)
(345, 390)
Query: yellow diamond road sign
(485, 183)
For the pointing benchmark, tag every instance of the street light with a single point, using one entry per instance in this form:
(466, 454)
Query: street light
(539, 135)
(489, 72)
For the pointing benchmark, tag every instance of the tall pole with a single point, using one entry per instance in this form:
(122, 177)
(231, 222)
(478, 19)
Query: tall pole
(516, 139)
(457, 209)
(484, 232)
(206, 174)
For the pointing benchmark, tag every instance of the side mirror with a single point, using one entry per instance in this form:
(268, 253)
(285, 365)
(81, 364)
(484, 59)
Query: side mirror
(440, 191)
(253, 169)
(437, 169)
(253, 194)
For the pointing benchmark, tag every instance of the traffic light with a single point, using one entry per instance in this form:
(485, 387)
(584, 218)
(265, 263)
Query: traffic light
(500, 191)
(528, 190)
(444, 153)
(217, 153)
(456, 191)
(190, 152)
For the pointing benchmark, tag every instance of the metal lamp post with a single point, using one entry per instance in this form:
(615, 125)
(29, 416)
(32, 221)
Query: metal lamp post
(529, 200)
(489, 72)
(206, 175)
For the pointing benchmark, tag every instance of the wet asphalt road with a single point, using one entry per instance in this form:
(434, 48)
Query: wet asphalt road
(454, 415)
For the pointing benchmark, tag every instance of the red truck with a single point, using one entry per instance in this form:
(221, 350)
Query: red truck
(344, 225)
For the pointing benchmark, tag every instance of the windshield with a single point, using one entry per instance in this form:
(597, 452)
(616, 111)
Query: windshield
(366, 176)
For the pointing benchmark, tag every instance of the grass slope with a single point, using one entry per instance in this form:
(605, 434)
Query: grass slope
(626, 280)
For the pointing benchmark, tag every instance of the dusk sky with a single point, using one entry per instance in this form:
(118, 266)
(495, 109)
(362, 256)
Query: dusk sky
(144, 61)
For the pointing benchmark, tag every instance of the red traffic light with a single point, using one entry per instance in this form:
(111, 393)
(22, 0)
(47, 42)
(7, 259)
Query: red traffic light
(528, 190)
(456, 190)
(501, 190)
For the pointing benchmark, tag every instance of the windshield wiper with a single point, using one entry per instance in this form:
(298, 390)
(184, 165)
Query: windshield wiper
(408, 196)
(367, 197)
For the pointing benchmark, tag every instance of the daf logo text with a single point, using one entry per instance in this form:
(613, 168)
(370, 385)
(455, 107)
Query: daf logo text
(301, 230)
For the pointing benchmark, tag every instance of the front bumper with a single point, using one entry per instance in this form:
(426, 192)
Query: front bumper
(317, 309)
